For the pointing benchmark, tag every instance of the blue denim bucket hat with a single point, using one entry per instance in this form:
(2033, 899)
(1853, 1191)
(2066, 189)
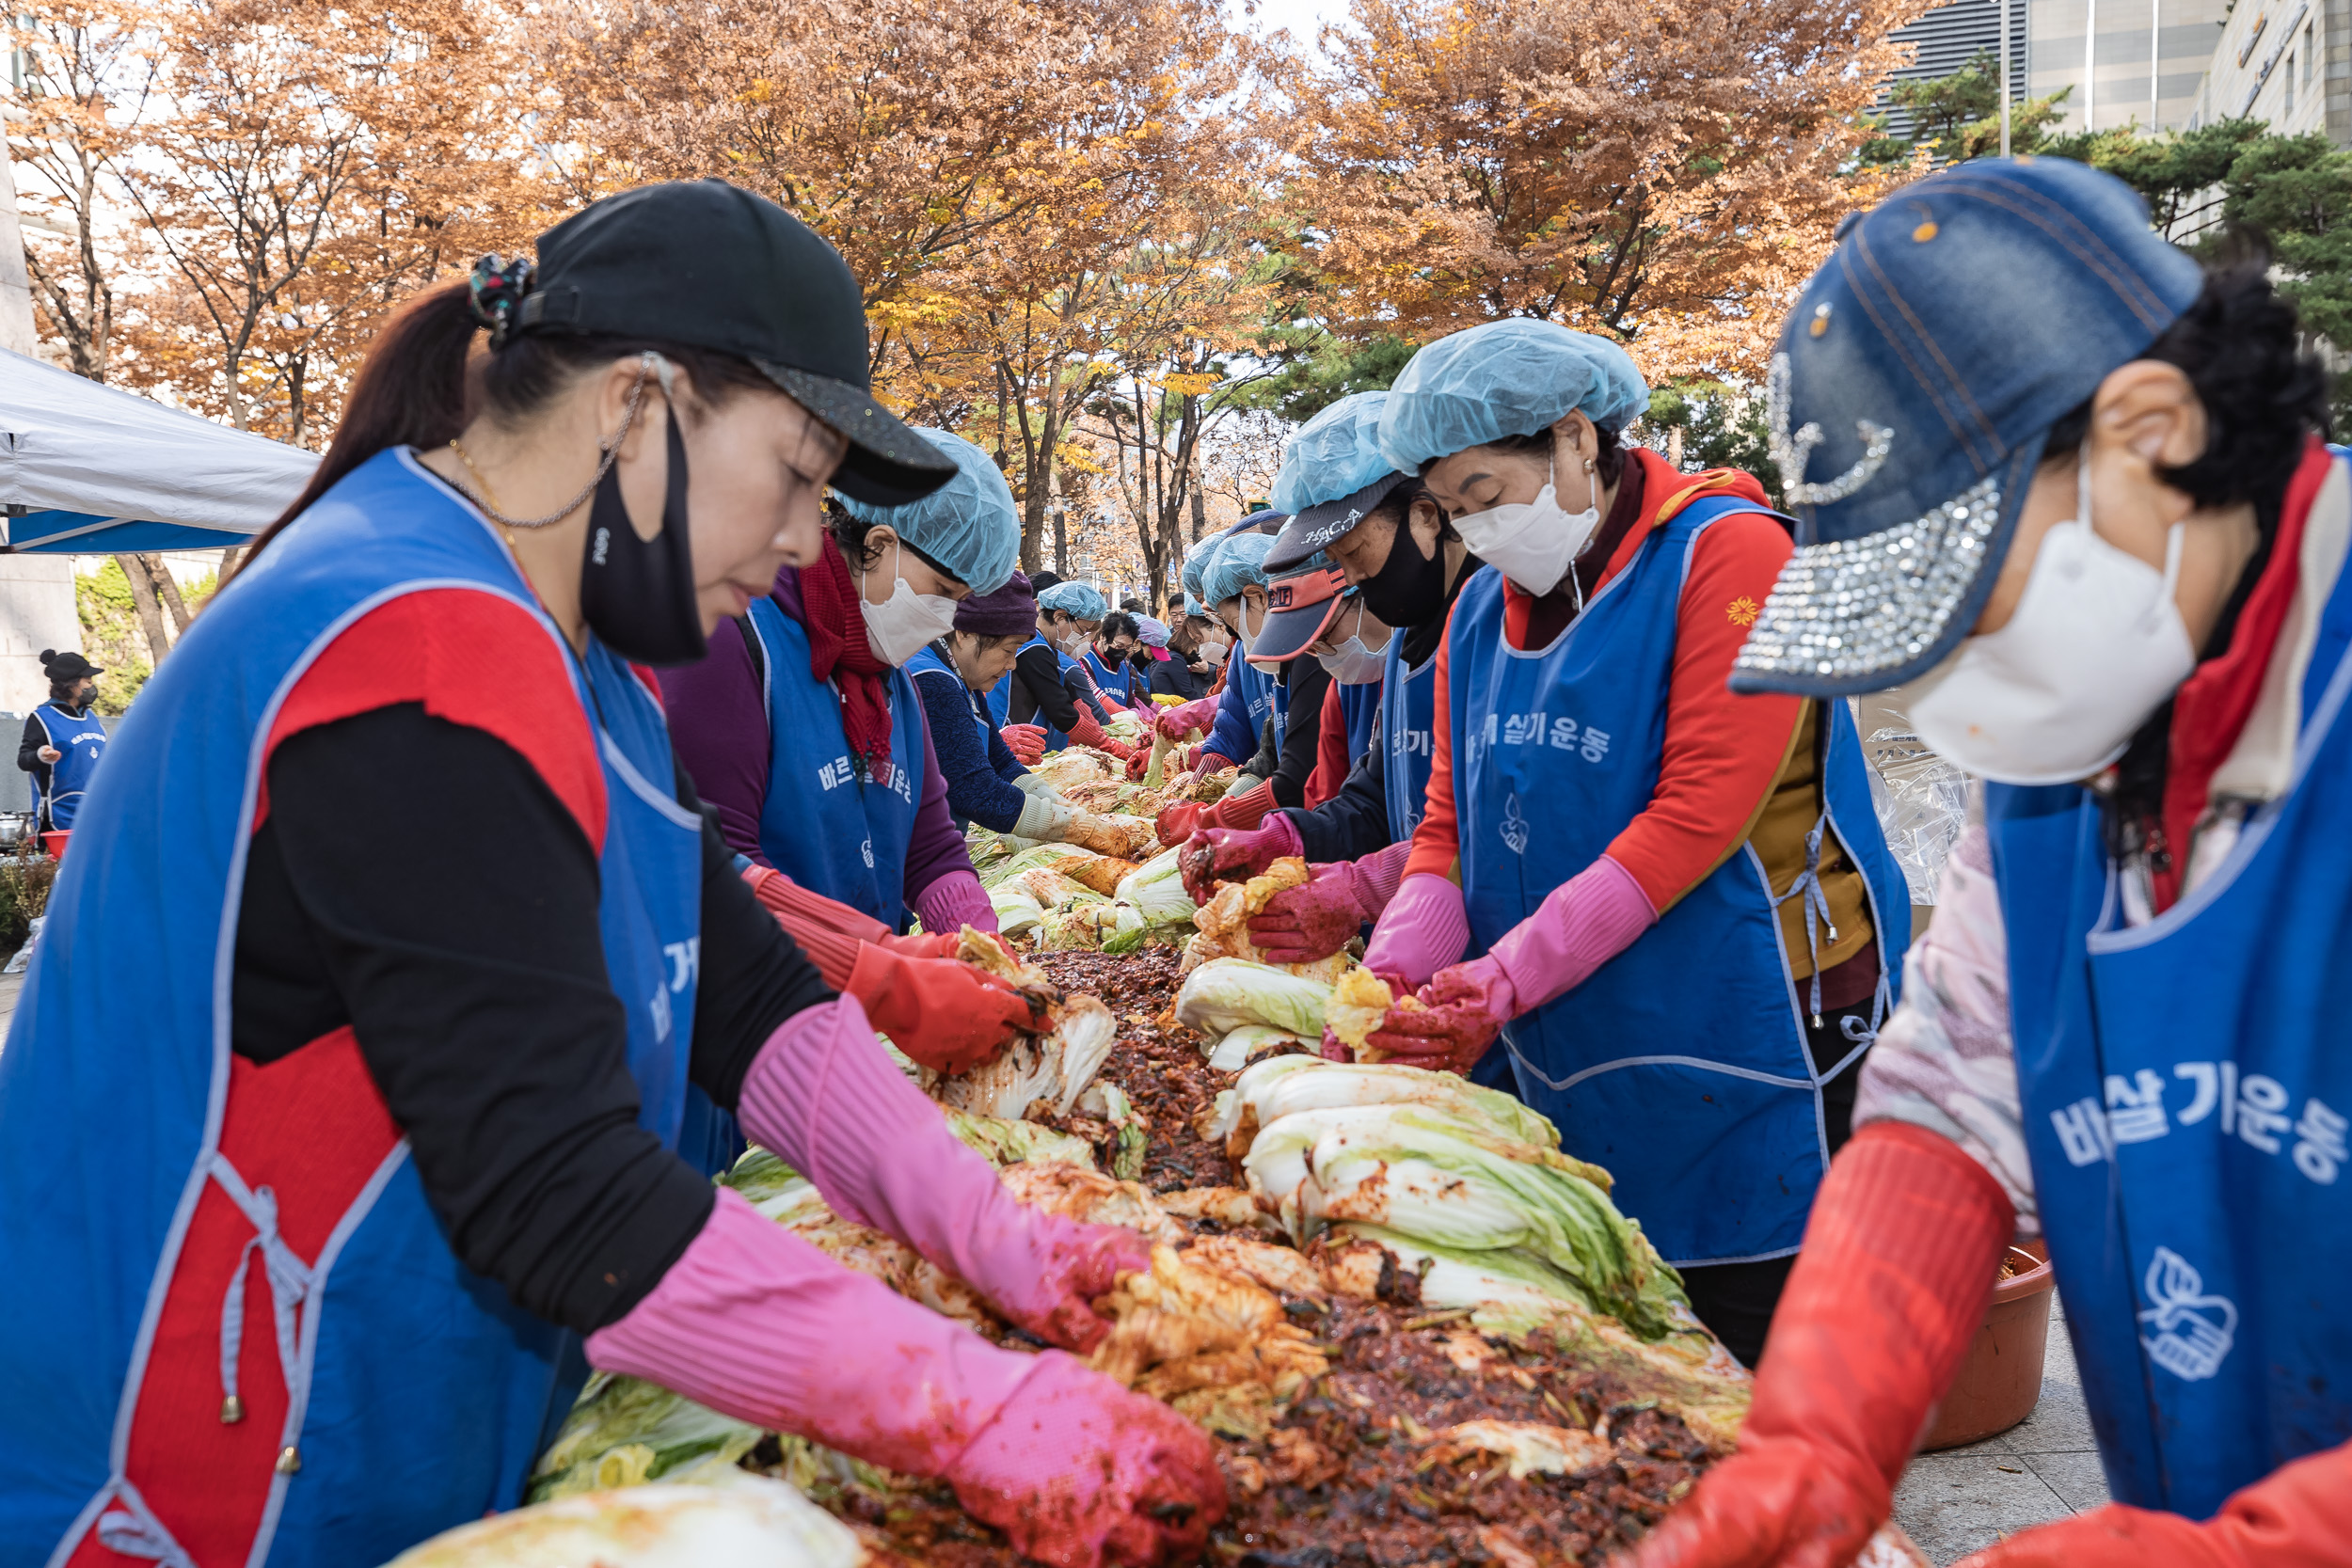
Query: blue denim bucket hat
(1911, 393)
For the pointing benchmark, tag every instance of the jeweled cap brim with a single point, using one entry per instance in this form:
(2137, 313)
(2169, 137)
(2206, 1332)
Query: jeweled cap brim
(1863, 615)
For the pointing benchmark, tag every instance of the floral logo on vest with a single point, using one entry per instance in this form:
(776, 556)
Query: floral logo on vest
(1742, 610)
(1514, 826)
(2194, 1331)
(866, 850)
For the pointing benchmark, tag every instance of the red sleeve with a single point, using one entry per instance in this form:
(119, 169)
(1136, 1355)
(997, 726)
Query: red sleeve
(1723, 753)
(1331, 759)
(473, 658)
(1437, 846)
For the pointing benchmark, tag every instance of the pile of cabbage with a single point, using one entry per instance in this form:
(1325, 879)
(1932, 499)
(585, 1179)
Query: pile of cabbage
(1035, 893)
(1463, 1183)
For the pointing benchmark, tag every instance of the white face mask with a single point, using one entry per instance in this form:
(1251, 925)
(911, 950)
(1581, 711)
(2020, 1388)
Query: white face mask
(1355, 662)
(2096, 645)
(1531, 542)
(897, 630)
(1214, 654)
(1249, 638)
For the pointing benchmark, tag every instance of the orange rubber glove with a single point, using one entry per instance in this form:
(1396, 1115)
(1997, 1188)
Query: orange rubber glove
(1899, 1258)
(942, 1013)
(1026, 742)
(2297, 1516)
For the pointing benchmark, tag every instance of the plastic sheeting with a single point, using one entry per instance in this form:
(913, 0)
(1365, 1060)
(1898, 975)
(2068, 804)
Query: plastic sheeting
(1922, 801)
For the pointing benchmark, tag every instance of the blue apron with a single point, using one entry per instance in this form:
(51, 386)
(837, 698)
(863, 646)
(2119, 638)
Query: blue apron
(928, 662)
(1408, 704)
(1242, 711)
(2188, 1096)
(1120, 685)
(1360, 705)
(1000, 700)
(80, 739)
(828, 822)
(417, 1396)
(1054, 739)
(1681, 1064)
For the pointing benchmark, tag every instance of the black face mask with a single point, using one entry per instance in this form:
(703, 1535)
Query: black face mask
(639, 595)
(1409, 588)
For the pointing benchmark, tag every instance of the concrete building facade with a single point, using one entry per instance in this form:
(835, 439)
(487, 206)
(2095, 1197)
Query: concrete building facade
(2287, 63)
(2128, 62)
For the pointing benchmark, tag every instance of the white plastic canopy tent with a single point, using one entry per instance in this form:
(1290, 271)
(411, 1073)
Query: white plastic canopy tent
(97, 469)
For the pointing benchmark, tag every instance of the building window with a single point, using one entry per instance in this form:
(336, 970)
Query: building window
(2308, 52)
(2290, 76)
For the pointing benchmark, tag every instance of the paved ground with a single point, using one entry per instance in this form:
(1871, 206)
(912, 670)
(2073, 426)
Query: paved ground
(2043, 1469)
(1951, 1502)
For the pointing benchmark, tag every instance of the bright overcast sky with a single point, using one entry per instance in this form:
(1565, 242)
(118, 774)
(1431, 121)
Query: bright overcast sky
(1301, 18)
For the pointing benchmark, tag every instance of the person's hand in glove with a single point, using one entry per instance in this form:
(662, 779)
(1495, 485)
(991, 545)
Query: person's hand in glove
(1899, 1257)
(1177, 722)
(1140, 763)
(1452, 1022)
(1238, 809)
(1088, 733)
(1300, 925)
(829, 1102)
(2297, 1516)
(1213, 855)
(1026, 742)
(756, 1322)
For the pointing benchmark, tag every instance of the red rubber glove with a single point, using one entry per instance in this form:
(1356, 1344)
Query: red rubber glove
(1899, 1260)
(1300, 925)
(1079, 1473)
(945, 1015)
(1179, 822)
(1140, 763)
(807, 916)
(925, 944)
(1181, 721)
(2297, 1516)
(1087, 732)
(1026, 742)
(1213, 855)
(1462, 1009)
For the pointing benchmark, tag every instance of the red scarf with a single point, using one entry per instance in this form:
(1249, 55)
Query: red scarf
(837, 652)
(2210, 711)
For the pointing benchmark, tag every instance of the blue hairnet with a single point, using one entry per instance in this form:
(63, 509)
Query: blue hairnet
(1193, 606)
(1504, 378)
(1196, 562)
(1335, 453)
(968, 525)
(1242, 562)
(1075, 600)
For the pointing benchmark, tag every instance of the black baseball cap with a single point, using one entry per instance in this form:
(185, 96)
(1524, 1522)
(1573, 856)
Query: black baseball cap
(711, 265)
(1313, 528)
(67, 665)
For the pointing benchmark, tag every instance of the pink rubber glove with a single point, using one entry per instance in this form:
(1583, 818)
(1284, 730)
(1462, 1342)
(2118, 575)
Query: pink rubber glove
(1179, 822)
(1424, 929)
(1026, 742)
(1181, 721)
(1580, 925)
(954, 901)
(826, 1098)
(1302, 923)
(760, 1326)
(1213, 855)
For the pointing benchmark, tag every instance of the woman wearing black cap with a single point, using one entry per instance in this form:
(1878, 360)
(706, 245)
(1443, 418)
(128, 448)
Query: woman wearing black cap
(63, 739)
(306, 1227)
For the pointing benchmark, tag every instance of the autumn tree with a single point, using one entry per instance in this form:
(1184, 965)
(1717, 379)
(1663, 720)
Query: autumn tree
(1665, 172)
(316, 164)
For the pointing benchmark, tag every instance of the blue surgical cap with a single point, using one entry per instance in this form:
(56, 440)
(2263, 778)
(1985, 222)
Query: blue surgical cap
(1196, 562)
(1242, 562)
(1075, 600)
(1504, 378)
(968, 525)
(1336, 454)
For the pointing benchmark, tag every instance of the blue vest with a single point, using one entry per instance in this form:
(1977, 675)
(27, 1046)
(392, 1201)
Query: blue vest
(1000, 699)
(80, 739)
(1681, 1064)
(417, 1396)
(1359, 707)
(1054, 739)
(1408, 704)
(828, 823)
(1119, 685)
(1241, 712)
(2187, 1094)
(928, 662)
